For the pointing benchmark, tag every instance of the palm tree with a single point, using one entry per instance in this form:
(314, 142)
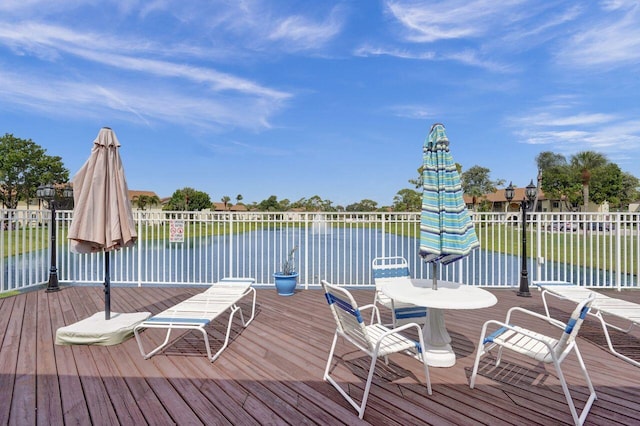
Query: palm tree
(142, 200)
(153, 200)
(238, 198)
(139, 200)
(225, 200)
(585, 162)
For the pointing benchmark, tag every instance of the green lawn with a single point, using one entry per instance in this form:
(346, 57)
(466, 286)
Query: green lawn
(576, 248)
(20, 241)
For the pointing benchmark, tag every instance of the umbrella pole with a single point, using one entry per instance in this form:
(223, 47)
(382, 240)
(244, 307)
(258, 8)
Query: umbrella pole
(107, 286)
(434, 272)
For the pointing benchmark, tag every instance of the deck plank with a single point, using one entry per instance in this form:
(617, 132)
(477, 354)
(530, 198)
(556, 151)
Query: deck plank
(24, 409)
(10, 327)
(272, 371)
(48, 398)
(74, 405)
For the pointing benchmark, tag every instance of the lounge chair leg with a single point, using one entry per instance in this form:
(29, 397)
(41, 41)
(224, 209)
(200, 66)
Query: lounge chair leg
(234, 309)
(154, 351)
(253, 309)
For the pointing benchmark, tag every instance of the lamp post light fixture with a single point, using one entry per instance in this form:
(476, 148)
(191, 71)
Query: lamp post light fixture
(509, 193)
(530, 195)
(47, 193)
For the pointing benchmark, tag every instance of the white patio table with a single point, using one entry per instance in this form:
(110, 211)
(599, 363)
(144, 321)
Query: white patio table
(449, 295)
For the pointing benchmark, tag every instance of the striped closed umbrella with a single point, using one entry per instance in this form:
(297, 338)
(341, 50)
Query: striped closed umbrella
(446, 231)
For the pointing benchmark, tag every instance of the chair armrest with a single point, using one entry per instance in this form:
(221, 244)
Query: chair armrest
(406, 326)
(544, 318)
(376, 312)
(397, 330)
(369, 306)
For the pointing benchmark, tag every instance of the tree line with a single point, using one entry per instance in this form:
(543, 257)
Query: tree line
(584, 178)
(24, 165)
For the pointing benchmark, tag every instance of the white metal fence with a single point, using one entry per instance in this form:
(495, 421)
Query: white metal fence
(600, 250)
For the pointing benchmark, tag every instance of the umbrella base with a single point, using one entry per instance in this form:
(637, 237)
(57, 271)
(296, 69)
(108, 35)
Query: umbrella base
(95, 330)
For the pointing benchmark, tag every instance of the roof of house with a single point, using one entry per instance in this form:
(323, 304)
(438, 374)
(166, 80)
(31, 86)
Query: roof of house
(499, 196)
(135, 193)
(219, 207)
(238, 208)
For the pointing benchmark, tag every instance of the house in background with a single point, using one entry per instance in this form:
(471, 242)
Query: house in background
(220, 207)
(497, 202)
(135, 196)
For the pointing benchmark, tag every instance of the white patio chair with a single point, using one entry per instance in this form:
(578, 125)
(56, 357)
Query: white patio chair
(375, 340)
(388, 270)
(540, 347)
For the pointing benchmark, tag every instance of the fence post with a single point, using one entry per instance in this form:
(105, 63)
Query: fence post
(383, 225)
(308, 225)
(140, 239)
(229, 214)
(619, 252)
(539, 226)
(3, 255)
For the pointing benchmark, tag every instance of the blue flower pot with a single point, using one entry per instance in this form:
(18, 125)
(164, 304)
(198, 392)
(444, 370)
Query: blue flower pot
(286, 284)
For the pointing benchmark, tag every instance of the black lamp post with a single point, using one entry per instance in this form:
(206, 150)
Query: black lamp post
(47, 193)
(530, 195)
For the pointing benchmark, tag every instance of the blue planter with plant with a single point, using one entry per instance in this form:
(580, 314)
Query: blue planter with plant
(287, 278)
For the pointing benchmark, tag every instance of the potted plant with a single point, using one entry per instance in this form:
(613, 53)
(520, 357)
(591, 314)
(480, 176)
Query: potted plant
(286, 279)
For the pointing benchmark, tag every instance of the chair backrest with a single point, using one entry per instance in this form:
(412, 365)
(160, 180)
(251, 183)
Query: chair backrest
(572, 328)
(347, 315)
(389, 269)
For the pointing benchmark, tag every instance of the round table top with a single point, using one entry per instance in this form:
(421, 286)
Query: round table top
(449, 295)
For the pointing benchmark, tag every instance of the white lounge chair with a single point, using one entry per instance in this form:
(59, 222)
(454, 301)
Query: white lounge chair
(389, 270)
(198, 311)
(540, 347)
(627, 311)
(375, 340)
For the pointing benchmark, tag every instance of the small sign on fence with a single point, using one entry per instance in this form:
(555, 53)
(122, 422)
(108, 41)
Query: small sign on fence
(176, 231)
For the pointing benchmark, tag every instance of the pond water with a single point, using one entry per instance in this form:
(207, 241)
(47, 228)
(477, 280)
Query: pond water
(339, 255)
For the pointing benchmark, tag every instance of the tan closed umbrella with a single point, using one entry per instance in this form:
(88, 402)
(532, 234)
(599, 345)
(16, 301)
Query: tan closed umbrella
(102, 216)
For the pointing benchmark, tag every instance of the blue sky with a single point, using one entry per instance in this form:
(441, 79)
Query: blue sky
(329, 98)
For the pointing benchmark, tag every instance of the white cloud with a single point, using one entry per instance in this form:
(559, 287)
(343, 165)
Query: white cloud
(471, 57)
(568, 132)
(612, 41)
(553, 118)
(366, 50)
(300, 33)
(427, 21)
(466, 57)
(418, 112)
(48, 41)
(134, 92)
(134, 102)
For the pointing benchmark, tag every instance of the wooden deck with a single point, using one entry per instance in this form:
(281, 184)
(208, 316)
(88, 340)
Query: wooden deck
(271, 373)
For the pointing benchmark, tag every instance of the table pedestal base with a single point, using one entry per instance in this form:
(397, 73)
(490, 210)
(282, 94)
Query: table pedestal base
(437, 340)
(440, 356)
